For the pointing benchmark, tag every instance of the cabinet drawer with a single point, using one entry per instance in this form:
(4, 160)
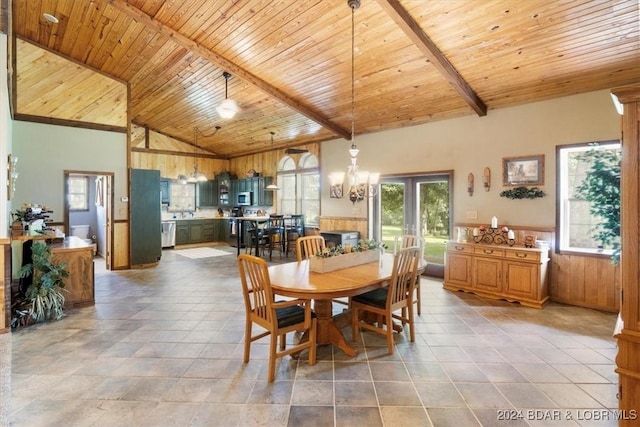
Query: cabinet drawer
(459, 248)
(523, 255)
(494, 252)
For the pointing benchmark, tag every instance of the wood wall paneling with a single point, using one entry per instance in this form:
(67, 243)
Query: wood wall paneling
(628, 358)
(120, 245)
(328, 223)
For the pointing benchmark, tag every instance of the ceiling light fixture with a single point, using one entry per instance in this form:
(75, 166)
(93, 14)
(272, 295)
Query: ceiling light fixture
(273, 186)
(227, 108)
(196, 176)
(49, 17)
(361, 183)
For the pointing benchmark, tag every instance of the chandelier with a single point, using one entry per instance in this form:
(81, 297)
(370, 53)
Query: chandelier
(196, 175)
(361, 183)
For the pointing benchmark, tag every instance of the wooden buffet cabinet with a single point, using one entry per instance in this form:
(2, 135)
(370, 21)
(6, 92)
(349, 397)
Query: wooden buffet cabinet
(497, 271)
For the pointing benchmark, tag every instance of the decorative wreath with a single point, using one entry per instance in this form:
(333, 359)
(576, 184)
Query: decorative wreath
(523, 193)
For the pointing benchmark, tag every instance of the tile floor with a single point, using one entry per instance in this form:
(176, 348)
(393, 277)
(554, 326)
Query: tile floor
(163, 347)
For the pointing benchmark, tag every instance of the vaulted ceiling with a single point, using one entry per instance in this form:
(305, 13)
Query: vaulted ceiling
(291, 61)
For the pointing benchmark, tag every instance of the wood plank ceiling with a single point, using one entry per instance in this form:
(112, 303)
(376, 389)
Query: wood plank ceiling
(415, 61)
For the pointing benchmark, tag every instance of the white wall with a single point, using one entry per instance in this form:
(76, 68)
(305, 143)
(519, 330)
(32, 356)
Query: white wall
(5, 139)
(46, 151)
(469, 144)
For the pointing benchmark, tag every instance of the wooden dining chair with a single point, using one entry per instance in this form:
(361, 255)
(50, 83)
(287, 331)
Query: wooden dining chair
(406, 241)
(386, 301)
(309, 246)
(277, 317)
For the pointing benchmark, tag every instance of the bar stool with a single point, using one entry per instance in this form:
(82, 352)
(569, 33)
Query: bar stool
(258, 237)
(276, 234)
(295, 229)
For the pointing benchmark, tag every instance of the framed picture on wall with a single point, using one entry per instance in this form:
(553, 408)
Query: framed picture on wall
(524, 170)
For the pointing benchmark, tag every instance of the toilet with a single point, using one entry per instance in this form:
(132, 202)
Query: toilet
(82, 231)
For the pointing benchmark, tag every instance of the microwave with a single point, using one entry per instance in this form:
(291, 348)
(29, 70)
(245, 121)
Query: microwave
(244, 198)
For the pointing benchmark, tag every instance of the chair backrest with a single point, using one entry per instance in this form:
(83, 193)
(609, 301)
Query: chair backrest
(404, 273)
(276, 221)
(256, 287)
(402, 241)
(296, 224)
(308, 246)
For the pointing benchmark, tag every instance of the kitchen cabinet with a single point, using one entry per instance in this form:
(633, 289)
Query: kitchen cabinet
(165, 191)
(225, 191)
(492, 271)
(257, 186)
(207, 195)
(191, 231)
(182, 232)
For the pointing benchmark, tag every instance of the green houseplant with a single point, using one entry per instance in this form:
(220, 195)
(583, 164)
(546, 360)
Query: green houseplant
(45, 292)
(601, 188)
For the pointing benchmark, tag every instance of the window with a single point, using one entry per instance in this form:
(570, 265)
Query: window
(576, 224)
(300, 188)
(78, 193)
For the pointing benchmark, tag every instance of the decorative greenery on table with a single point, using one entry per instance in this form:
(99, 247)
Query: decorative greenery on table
(523, 193)
(363, 245)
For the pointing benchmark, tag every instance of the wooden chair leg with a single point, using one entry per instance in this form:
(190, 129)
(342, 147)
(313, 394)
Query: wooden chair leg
(247, 341)
(418, 297)
(389, 329)
(272, 359)
(283, 342)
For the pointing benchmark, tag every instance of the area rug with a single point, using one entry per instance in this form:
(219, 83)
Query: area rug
(195, 253)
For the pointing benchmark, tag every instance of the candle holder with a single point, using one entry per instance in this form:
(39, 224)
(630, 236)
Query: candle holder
(493, 236)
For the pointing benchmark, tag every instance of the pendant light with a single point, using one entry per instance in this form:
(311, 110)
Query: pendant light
(361, 184)
(273, 186)
(227, 108)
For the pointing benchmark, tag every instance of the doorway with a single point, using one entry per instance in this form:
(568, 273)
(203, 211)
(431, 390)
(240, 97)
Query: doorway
(88, 202)
(417, 204)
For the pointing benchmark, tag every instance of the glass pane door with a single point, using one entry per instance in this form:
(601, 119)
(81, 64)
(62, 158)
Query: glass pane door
(415, 205)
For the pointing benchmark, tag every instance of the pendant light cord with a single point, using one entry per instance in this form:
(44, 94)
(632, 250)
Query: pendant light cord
(353, 73)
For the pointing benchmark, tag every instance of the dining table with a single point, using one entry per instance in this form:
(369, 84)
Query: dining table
(296, 280)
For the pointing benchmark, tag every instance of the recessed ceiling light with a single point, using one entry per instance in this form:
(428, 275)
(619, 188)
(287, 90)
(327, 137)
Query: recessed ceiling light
(49, 17)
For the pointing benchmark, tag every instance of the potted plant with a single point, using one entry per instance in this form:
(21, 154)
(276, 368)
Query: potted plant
(44, 294)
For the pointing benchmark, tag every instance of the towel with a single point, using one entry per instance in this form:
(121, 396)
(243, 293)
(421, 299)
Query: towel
(166, 227)
(233, 228)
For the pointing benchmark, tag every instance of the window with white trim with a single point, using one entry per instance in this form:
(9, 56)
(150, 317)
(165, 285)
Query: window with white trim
(576, 224)
(300, 187)
(78, 193)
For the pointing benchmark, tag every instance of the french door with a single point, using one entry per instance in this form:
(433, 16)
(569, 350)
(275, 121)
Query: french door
(415, 205)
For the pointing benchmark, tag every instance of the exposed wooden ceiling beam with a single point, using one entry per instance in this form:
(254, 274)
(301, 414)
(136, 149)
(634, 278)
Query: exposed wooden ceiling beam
(229, 66)
(411, 28)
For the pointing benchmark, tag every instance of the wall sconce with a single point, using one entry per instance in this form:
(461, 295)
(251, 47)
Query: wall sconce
(335, 185)
(12, 175)
(470, 184)
(486, 179)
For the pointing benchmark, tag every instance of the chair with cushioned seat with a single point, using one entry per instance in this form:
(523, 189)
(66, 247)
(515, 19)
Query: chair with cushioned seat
(277, 317)
(295, 229)
(276, 234)
(385, 301)
(308, 246)
(407, 241)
